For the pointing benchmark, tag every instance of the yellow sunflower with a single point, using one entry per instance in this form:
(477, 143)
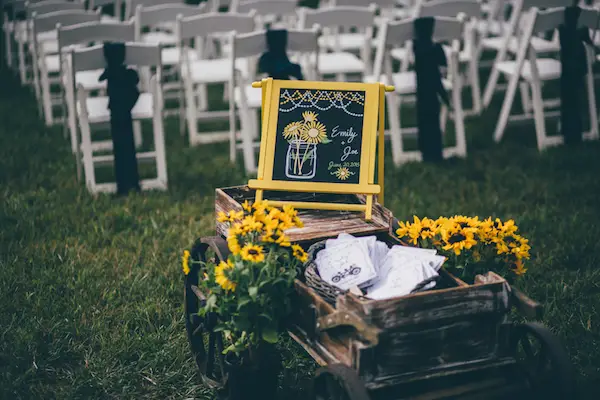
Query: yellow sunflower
(313, 132)
(250, 224)
(247, 206)
(342, 173)
(292, 130)
(231, 216)
(234, 244)
(299, 253)
(459, 239)
(185, 262)
(518, 268)
(277, 237)
(221, 277)
(309, 116)
(253, 253)
(466, 222)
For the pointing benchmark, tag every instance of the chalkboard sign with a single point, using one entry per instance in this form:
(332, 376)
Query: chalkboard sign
(320, 137)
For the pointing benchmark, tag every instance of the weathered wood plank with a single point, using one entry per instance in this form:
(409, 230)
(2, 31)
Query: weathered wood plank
(318, 224)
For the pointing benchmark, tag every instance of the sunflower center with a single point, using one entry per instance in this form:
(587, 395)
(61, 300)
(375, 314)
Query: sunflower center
(313, 132)
(457, 237)
(426, 229)
(463, 225)
(253, 252)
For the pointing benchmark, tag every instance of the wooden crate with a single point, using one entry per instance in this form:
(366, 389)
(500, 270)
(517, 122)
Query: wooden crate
(437, 333)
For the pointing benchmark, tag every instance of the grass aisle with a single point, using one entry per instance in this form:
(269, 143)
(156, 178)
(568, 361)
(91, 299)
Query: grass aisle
(91, 289)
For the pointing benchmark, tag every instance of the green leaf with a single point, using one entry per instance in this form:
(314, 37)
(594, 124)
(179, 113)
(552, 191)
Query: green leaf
(243, 301)
(253, 291)
(211, 302)
(269, 335)
(326, 140)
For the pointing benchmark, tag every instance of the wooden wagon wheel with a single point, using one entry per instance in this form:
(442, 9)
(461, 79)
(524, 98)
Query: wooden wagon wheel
(544, 362)
(205, 249)
(338, 382)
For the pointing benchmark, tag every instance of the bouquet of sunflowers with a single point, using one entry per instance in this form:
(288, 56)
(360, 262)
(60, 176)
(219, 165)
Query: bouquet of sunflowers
(250, 291)
(472, 246)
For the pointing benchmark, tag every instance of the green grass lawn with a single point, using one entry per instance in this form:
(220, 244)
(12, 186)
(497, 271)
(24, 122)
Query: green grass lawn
(91, 287)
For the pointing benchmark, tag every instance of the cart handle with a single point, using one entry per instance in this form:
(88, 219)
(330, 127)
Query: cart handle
(348, 319)
(525, 305)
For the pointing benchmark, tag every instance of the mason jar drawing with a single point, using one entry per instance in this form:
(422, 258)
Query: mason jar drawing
(301, 160)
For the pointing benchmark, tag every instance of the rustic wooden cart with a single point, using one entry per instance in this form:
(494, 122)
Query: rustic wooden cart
(456, 341)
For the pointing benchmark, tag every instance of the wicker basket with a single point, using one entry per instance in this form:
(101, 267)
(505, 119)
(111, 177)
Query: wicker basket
(329, 292)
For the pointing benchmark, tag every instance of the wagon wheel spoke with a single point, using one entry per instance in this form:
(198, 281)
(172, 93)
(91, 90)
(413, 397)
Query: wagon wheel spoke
(543, 361)
(205, 353)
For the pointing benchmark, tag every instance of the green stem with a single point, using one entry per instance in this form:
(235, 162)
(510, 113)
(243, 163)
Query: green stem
(303, 157)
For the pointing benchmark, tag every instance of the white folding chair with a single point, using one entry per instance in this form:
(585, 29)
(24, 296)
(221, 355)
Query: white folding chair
(389, 9)
(469, 54)
(533, 72)
(397, 33)
(338, 62)
(270, 13)
(197, 74)
(506, 46)
(22, 33)
(131, 5)
(248, 48)
(46, 69)
(82, 35)
(101, 4)
(160, 22)
(95, 111)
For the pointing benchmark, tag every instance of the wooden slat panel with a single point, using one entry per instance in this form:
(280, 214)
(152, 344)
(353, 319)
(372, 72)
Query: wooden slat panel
(318, 224)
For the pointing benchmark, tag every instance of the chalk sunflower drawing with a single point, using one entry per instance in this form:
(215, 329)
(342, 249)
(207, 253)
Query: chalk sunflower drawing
(292, 130)
(313, 132)
(342, 173)
(309, 116)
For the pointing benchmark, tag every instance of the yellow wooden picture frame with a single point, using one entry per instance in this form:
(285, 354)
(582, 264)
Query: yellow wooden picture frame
(373, 128)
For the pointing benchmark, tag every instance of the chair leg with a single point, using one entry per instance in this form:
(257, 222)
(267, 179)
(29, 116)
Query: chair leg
(525, 97)
(592, 103)
(459, 119)
(395, 127)
(475, 86)
(190, 107)
(538, 115)
(137, 133)
(22, 65)
(47, 101)
(490, 86)
(509, 98)
(159, 147)
(86, 150)
(8, 48)
(202, 97)
(232, 130)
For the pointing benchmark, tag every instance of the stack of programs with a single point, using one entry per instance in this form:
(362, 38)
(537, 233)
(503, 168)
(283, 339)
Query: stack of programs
(365, 263)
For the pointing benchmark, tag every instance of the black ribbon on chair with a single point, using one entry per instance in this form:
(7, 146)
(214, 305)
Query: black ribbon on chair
(429, 57)
(122, 96)
(275, 62)
(573, 61)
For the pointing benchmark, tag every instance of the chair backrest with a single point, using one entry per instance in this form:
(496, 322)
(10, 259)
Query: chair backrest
(49, 6)
(364, 3)
(154, 15)
(136, 54)
(551, 19)
(342, 16)
(301, 42)
(90, 32)
(449, 8)
(267, 7)
(48, 22)
(255, 43)
(214, 23)
(393, 34)
(131, 5)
